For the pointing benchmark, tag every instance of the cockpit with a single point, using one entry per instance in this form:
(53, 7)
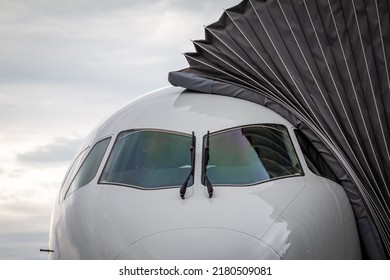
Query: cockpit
(158, 159)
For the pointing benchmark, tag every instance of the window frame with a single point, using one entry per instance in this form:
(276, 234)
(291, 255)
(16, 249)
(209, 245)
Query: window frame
(167, 131)
(85, 153)
(318, 167)
(72, 171)
(302, 173)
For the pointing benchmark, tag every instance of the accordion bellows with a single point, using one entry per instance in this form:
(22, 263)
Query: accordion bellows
(324, 66)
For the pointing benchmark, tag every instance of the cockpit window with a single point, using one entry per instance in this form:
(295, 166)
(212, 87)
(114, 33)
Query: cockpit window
(149, 159)
(72, 171)
(249, 155)
(90, 166)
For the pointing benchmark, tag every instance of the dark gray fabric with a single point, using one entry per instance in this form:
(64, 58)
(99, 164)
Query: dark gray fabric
(323, 65)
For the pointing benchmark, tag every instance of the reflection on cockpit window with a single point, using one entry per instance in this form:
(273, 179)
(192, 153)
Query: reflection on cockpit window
(249, 155)
(90, 166)
(149, 159)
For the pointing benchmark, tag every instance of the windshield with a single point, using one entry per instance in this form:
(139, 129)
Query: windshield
(249, 155)
(149, 159)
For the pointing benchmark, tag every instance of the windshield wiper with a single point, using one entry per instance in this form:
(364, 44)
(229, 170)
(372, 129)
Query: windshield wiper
(206, 158)
(183, 188)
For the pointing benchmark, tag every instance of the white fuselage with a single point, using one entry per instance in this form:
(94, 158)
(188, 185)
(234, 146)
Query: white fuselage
(292, 217)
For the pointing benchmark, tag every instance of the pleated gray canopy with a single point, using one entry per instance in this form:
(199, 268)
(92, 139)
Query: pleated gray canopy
(323, 65)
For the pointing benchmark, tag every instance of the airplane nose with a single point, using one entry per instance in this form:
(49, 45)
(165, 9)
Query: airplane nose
(199, 243)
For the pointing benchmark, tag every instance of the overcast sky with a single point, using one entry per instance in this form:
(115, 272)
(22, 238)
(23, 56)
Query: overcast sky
(64, 66)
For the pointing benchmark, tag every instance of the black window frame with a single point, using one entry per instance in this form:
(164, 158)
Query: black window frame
(314, 159)
(85, 158)
(301, 174)
(72, 171)
(173, 132)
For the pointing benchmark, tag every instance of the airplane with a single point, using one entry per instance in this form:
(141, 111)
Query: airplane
(177, 174)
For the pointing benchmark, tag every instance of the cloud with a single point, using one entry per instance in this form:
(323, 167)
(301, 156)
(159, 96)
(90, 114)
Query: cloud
(24, 229)
(23, 245)
(64, 66)
(106, 44)
(59, 151)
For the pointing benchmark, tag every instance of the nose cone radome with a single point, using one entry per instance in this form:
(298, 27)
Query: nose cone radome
(199, 243)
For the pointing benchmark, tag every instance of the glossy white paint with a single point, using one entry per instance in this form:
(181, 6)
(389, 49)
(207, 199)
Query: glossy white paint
(305, 217)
